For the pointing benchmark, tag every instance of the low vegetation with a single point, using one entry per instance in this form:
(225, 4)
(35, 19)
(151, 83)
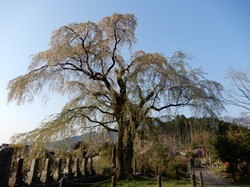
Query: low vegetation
(149, 182)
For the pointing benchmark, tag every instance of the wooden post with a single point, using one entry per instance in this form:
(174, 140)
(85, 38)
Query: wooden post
(135, 167)
(201, 180)
(113, 181)
(177, 174)
(114, 156)
(158, 181)
(193, 182)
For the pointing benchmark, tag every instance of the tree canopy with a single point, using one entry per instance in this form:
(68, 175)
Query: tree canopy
(231, 144)
(110, 90)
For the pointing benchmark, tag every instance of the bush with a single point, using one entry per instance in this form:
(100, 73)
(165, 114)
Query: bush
(103, 163)
(179, 162)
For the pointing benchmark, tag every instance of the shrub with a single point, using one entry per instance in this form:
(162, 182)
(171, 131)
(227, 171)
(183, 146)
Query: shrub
(178, 162)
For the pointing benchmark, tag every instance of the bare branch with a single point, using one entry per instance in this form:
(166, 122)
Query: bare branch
(239, 94)
(187, 103)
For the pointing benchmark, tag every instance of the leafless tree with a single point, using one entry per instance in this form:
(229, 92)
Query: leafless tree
(239, 92)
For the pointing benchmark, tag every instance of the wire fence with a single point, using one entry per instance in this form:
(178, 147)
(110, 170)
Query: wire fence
(79, 184)
(183, 175)
(190, 176)
(187, 176)
(65, 182)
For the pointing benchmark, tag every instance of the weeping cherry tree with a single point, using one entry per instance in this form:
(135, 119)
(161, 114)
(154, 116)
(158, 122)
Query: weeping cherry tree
(109, 90)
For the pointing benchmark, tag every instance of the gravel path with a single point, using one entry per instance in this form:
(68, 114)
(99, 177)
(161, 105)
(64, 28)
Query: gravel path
(212, 180)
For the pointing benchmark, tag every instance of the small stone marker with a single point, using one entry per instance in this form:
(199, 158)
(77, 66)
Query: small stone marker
(45, 177)
(16, 178)
(32, 176)
(58, 173)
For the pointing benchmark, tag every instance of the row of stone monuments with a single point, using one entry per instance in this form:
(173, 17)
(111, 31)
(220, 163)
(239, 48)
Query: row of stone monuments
(73, 168)
(47, 175)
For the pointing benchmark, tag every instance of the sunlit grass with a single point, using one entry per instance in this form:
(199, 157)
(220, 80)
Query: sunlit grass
(153, 184)
(138, 182)
(149, 183)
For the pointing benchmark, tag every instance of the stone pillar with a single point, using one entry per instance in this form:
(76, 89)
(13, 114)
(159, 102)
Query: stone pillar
(58, 172)
(17, 175)
(45, 177)
(6, 154)
(85, 166)
(76, 168)
(32, 176)
(92, 172)
(68, 169)
(81, 165)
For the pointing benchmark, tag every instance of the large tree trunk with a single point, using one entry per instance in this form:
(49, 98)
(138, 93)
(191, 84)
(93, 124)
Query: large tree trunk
(126, 131)
(125, 151)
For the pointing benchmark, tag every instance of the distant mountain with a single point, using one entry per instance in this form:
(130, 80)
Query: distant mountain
(93, 136)
(234, 120)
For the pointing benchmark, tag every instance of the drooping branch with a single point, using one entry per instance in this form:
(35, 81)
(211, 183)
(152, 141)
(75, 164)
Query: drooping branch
(103, 124)
(96, 107)
(106, 103)
(113, 53)
(187, 103)
(90, 72)
(78, 112)
(146, 99)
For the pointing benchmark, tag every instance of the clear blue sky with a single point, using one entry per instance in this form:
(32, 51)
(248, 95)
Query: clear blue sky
(215, 32)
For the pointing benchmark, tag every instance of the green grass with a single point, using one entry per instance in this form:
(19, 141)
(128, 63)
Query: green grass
(139, 182)
(149, 183)
(153, 184)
